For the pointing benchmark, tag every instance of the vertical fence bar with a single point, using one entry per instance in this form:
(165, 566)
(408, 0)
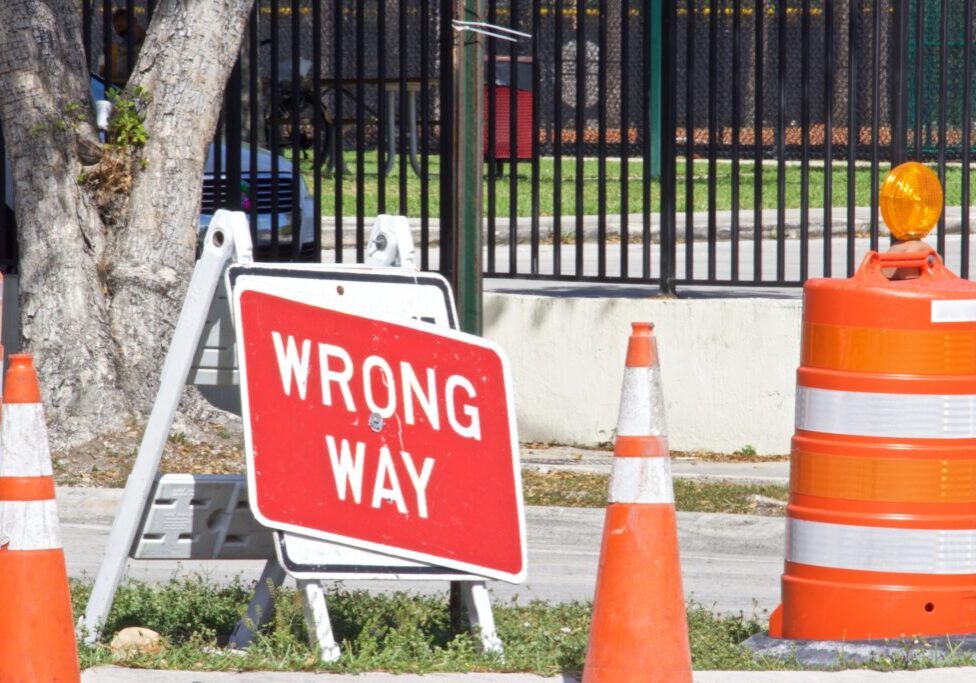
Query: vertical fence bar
(513, 179)
(360, 125)
(275, 130)
(625, 140)
(897, 91)
(875, 122)
(402, 101)
(492, 199)
(557, 143)
(668, 24)
(130, 37)
(86, 31)
(919, 61)
(649, 8)
(757, 134)
(735, 87)
(9, 258)
(852, 129)
(967, 113)
(107, 57)
(805, 140)
(446, 141)
(297, 152)
(943, 104)
(254, 64)
(536, 152)
(318, 119)
(382, 153)
(425, 134)
(580, 120)
(340, 165)
(828, 196)
(602, 141)
(232, 98)
(712, 135)
(781, 141)
(690, 140)
(220, 155)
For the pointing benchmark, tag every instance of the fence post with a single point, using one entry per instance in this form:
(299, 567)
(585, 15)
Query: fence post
(898, 81)
(654, 86)
(468, 154)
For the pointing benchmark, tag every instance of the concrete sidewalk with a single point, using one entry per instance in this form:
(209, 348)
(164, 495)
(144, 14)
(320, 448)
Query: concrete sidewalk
(117, 675)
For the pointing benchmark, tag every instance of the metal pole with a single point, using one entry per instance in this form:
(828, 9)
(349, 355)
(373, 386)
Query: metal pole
(468, 153)
(654, 87)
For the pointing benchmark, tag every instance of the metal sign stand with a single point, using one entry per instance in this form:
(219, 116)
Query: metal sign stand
(168, 520)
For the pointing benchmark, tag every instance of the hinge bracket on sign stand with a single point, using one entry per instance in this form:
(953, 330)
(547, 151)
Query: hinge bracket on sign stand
(150, 502)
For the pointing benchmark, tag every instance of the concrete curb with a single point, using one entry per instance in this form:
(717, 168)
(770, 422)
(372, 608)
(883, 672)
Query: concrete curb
(109, 674)
(826, 653)
(112, 674)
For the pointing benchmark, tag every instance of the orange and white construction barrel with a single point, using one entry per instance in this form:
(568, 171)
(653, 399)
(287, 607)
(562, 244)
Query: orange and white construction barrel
(881, 521)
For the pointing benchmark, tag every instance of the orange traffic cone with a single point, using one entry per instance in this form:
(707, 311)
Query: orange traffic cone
(639, 630)
(37, 637)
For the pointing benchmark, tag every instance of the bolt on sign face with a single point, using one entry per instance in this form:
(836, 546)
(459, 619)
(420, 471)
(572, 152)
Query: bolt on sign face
(388, 436)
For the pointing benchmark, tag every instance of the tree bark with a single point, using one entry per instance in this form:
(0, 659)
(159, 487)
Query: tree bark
(99, 299)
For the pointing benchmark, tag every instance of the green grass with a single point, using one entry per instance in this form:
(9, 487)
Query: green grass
(577, 489)
(390, 632)
(397, 632)
(550, 195)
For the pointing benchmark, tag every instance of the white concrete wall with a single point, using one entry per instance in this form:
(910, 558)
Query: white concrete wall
(728, 367)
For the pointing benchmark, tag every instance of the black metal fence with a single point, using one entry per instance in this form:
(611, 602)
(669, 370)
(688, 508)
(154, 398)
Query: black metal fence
(672, 143)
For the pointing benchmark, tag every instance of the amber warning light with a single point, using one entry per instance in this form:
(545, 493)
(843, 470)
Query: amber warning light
(911, 201)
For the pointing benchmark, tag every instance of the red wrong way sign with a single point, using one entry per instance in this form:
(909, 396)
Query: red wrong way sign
(387, 436)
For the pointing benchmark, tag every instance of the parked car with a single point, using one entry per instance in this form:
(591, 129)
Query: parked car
(262, 197)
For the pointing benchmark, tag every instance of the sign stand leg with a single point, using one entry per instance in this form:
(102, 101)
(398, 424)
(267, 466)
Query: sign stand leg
(317, 619)
(260, 607)
(218, 248)
(478, 606)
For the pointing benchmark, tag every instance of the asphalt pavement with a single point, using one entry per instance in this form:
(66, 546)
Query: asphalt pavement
(730, 563)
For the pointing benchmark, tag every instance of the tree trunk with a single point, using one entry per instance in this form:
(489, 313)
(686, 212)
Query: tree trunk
(99, 297)
(184, 65)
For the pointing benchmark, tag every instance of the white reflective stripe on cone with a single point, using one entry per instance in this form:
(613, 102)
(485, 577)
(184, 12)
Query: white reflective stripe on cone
(881, 549)
(641, 480)
(23, 441)
(31, 524)
(641, 403)
(921, 416)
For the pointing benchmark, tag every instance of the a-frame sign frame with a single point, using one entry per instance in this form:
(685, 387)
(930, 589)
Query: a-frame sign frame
(228, 239)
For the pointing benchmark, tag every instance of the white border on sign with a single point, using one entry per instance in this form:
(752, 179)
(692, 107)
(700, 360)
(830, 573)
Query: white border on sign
(255, 284)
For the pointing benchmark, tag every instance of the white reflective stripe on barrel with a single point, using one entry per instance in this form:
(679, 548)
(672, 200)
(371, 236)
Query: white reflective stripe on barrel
(881, 549)
(30, 524)
(921, 416)
(641, 480)
(641, 403)
(954, 311)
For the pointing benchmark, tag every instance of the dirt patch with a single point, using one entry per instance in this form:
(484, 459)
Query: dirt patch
(738, 456)
(213, 448)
